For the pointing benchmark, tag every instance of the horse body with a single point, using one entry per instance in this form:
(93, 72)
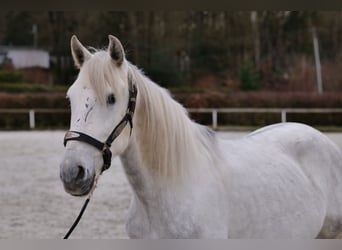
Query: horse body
(255, 195)
(282, 181)
(281, 184)
(191, 209)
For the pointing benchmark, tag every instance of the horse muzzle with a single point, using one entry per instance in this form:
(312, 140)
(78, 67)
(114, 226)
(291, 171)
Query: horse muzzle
(77, 178)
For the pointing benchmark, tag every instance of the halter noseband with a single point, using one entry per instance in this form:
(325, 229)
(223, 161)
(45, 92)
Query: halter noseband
(104, 147)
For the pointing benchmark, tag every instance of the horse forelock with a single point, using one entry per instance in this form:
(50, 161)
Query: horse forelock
(103, 72)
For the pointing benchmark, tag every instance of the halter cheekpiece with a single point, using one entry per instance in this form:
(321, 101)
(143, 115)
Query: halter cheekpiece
(104, 147)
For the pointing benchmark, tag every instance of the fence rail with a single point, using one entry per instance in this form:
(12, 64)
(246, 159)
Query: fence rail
(282, 111)
(32, 113)
(214, 112)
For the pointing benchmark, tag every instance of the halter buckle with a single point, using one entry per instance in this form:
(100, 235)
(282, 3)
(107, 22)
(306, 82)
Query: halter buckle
(107, 157)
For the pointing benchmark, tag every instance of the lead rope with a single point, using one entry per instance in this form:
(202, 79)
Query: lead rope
(82, 210)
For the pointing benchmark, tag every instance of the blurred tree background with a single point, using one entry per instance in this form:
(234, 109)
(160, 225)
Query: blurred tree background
(246, 50)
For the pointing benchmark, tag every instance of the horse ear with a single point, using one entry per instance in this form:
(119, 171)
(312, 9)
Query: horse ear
(116, 50)
(79, 53)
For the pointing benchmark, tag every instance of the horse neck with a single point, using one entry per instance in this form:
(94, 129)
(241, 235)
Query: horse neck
(166, 142)
(134, 170)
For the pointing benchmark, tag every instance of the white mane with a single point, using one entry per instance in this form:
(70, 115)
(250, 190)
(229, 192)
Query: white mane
(174, 141)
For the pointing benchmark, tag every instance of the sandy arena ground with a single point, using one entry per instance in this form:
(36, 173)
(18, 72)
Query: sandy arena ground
(33, 203)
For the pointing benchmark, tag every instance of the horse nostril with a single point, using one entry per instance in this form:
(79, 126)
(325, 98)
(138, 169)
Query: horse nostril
(81, 173)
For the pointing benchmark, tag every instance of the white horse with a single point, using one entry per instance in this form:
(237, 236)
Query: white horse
(282, 181)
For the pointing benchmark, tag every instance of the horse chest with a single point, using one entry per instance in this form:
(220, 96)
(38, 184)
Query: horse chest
(173, 219)
(160, 222)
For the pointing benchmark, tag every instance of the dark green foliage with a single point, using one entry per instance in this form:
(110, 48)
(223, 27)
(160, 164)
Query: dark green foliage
(10, 77)
(297, 29)
(30, 88)
(249, 77)
(163, 69)
(14, 121)
(19, 29)
(20, 121)
(208, 56)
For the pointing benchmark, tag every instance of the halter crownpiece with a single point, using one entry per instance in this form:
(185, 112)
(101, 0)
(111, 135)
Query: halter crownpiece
(104, 147)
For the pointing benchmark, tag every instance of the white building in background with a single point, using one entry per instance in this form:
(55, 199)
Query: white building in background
(32, 63)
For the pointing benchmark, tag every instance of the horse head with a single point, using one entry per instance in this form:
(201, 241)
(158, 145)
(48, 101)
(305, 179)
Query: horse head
(102, 101)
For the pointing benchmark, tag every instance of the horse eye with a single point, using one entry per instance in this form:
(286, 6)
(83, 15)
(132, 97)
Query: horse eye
(111, 99)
